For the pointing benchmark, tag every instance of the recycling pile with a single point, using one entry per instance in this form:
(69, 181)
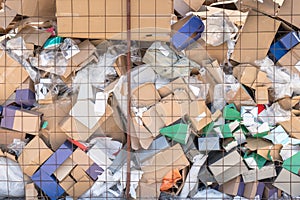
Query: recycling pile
(214, 99)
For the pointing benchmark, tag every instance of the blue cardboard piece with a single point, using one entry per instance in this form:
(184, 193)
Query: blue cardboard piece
(94, 171)
(25, 97)
(260, 189)
(58, 158)
(186, 31)
(283, 45)
(290, 40)
(44, 177)
(277, 50)
(48, 184)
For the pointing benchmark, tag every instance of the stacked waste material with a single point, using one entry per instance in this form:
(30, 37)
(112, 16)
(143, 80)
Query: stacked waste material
(213, 88)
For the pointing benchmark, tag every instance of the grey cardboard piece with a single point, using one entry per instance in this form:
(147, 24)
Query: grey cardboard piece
(208, 144)
(260, 174)
(157, 145)
(228, 167)
(206, 177)
(251, 46)
(288, 182)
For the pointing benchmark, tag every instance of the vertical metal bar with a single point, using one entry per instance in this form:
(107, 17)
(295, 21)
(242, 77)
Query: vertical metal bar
(128, 97)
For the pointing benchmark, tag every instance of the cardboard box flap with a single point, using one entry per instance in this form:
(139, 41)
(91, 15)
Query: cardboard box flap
(251, 46)
(268, 7)
(185, 6)
(159, 165)
(33, 155)
(228, 167)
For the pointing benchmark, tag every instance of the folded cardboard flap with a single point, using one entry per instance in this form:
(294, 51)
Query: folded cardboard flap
(170, 88)
(145, 95)
(159, 165)
(21, 120)
(148, 18)
(33, 155)
(7, 136)
(87, 49)
(185, 6)
(251, 46)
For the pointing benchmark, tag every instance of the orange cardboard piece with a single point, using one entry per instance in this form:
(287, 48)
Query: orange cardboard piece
(231, 187)
(262, 95)
(268, 7)
(159, 165)
(260, 145)
(290, 59)
(170, 180)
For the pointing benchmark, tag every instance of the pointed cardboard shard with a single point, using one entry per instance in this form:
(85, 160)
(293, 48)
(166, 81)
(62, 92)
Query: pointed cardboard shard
(178, 132)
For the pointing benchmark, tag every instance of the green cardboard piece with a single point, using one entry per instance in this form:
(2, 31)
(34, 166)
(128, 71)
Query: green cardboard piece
(261, 161)
(226, 131)
(261, 135)
(207, 129)
(292, 164)
(231, 113)
(178, 132)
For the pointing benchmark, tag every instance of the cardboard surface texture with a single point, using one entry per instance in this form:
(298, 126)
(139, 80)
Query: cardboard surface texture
(284, 180)
(12, 76)
(252, 46)
(145, 21)
(34, 154)
(185, 6)
(33, 8)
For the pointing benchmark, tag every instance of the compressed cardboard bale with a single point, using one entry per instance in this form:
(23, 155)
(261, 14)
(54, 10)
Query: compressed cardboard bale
(148, 19)
(33, 8)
